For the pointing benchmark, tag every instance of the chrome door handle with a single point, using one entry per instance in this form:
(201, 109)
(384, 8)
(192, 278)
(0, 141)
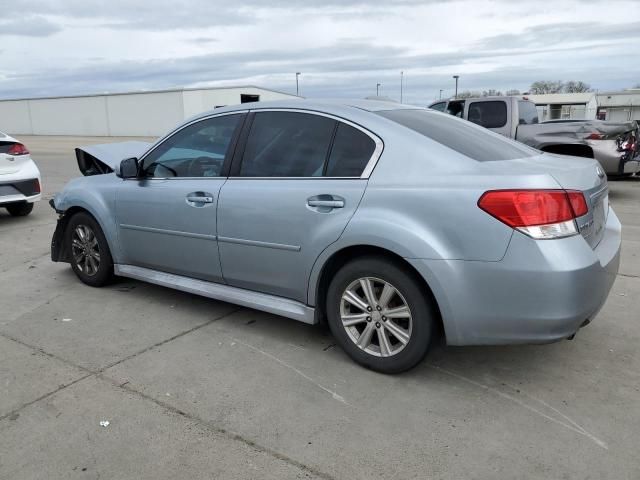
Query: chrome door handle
(196, 199)
(326, 203)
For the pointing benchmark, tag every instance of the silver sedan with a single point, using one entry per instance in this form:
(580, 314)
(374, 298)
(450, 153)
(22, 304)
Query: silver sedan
(394, 224)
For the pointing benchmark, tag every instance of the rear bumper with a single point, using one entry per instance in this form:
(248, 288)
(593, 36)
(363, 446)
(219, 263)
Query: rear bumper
(19, 191)
(541, 292)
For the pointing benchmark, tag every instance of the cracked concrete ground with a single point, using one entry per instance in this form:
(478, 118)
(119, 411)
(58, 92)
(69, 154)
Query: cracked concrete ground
(194, 388)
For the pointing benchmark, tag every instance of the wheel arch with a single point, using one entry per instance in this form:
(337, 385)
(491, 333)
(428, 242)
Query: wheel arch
(66, 217)
(318, 289)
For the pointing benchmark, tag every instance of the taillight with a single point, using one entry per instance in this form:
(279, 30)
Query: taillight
(540, 214)
(18, 149)
(595, 136)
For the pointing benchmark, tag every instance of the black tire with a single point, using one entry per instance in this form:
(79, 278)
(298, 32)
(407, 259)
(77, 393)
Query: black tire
(21, 209)
(82, 263)
(412, 293)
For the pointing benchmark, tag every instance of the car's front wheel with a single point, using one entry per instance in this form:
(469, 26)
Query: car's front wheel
(88, 250)
(21, 209)
(380, 314)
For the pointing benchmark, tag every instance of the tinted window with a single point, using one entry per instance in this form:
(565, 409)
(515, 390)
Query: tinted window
(439, 106)
(528, 112)
(198, 150)
(351, 151)
(492, 114)
(287, 144)
(460, 135)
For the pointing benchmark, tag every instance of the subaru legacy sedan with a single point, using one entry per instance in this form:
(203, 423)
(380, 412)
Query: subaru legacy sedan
(394, 224)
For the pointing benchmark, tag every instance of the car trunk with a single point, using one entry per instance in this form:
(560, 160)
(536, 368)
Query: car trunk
(8, 163)
(571, 173)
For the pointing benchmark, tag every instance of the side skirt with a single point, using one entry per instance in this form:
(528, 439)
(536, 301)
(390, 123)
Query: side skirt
(247, 298)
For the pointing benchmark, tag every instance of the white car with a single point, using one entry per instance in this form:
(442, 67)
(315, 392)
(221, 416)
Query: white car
(19, 177)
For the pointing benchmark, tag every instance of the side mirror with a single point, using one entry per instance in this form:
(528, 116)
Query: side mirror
(128, 168)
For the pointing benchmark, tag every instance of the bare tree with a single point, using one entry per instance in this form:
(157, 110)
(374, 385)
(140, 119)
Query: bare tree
(546, 86)
(469, 94)
(573, 86)
(513, 91)
(491, 93)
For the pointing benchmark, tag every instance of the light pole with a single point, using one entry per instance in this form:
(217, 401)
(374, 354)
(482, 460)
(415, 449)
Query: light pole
(440, 94)
(401, 81)
(378, 85)
(297, 85)
(456, 77)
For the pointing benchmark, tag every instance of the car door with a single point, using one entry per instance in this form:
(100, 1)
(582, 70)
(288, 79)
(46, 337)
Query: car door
(291, 193)
(491, 114)
(167, 217)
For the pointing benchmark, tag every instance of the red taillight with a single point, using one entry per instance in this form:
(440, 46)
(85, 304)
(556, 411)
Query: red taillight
(18, 149)
(595, 136)
(38, 187)
(538, 213)
(578, 203)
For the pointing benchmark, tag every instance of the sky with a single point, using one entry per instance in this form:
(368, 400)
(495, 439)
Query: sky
(342, 48)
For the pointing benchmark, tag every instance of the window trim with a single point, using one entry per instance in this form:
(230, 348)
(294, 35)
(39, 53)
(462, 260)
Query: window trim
(227, 160)
(366, 173)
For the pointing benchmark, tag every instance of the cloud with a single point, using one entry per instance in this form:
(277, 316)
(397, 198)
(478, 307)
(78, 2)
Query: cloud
(28, 26)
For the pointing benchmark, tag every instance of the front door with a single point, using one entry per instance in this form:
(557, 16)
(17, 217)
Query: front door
(167, 218)
(298, 183)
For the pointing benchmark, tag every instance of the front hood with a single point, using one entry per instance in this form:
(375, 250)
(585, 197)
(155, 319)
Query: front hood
(103, 158)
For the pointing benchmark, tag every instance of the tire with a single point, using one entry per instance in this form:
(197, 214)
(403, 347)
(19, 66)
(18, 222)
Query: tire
(93, 270)
(21, 209)
(408, 341)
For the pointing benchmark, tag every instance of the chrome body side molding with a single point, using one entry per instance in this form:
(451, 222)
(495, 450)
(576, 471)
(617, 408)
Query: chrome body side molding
(246, 298)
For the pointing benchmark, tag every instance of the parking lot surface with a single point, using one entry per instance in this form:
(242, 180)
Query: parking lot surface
(194, 388)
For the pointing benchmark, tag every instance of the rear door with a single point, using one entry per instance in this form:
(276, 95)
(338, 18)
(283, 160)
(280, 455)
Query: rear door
(293, 189)
(492, 114)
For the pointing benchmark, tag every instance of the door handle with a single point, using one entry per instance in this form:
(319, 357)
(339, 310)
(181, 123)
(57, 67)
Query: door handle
(198, 199)
(326, 203)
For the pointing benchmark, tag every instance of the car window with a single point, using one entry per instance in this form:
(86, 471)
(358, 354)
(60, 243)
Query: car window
(490, 114)
(351, 151)
(455, 108)
(287, 144)
(528, 113)
(439, 106)
(197, 150)
(459, 135)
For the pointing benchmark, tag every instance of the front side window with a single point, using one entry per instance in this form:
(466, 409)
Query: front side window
(439, 106)
(490, 114)
(197, 150)
(528, 113)
(287, 144)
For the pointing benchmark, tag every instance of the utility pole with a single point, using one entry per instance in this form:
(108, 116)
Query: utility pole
(401, 81)
(440, 95)
(297, 85)
(456, 77)
(378, 85)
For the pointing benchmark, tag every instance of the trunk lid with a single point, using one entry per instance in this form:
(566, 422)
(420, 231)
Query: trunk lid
(572, 173)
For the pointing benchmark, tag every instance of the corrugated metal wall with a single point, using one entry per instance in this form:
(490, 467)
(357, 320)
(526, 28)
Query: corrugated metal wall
(132, 114)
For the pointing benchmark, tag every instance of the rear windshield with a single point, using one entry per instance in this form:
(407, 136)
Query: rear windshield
(459, 135)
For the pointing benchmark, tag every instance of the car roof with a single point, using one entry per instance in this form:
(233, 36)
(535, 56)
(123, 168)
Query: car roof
(327, 105)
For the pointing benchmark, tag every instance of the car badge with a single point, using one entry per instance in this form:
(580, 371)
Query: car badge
(599, 171)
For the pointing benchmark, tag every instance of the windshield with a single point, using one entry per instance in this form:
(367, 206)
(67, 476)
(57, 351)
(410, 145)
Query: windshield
(460, 135)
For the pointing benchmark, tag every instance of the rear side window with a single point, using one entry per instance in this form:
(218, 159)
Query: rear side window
(459, 135)
(287, 144)
(351, 151)
(528, 113)
(490, 114)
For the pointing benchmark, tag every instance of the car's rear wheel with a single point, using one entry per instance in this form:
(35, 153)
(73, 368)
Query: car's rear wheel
(88, 250)
(21, 209)
(380, 314)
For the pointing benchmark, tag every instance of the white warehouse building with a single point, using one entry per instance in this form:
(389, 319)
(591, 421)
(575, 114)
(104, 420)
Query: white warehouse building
(150, 113)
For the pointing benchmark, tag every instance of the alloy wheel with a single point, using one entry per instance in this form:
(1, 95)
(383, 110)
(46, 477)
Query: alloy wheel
(85, 250)
(376, 316)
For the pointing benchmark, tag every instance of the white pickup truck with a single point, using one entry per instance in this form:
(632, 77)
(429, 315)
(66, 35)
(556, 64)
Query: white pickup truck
(614, 144)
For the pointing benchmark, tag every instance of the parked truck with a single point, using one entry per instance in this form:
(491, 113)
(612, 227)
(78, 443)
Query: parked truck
(613, 144)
